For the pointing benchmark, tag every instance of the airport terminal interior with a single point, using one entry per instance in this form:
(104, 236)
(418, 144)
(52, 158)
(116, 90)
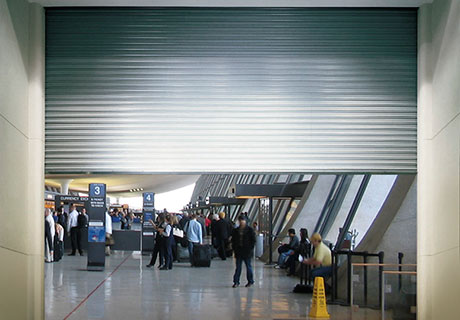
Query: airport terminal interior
(211, 159)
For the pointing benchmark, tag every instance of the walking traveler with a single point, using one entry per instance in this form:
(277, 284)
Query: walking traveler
(243, 242)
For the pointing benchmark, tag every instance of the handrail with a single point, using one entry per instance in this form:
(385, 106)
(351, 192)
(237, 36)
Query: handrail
(384, 264)
(356, 253)
(400, 272)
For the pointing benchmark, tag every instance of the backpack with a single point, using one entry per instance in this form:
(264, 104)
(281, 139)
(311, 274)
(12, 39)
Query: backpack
(82, 221)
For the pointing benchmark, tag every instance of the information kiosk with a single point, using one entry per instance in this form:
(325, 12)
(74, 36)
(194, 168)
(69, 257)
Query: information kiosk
(96, 227)
(147, 229)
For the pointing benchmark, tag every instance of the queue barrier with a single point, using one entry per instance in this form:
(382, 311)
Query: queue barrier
(381, 278)
(350, 254)
(399, 273)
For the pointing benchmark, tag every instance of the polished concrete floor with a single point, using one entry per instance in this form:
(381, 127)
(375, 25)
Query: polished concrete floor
(129, 290)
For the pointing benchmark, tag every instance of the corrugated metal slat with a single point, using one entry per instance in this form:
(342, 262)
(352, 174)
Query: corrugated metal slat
(196, 90)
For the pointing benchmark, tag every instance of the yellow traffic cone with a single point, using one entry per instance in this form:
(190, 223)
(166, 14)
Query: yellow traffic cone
(318, 306)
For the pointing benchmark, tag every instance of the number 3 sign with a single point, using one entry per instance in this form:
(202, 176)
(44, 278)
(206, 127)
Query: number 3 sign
(97, 190)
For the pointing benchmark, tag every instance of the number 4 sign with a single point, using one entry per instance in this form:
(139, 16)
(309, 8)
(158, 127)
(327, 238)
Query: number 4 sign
(148, 199)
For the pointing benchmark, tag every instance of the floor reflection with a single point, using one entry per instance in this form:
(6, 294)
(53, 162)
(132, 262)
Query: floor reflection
(135, 292)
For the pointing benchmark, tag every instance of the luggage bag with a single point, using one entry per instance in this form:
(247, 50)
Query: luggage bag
(202, 255)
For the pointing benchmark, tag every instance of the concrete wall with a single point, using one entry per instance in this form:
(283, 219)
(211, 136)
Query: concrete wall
(21, 159)
(401, 235)
(438, 220)
(393, 230)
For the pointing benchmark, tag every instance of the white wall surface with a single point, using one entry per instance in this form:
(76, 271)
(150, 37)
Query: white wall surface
(21, 159)
(438, 279)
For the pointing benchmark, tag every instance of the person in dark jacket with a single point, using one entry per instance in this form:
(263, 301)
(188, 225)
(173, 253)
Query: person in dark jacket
(303, 249)
(158, 242)
(220, 233)
(290, 248)
(62, 219)
(243, 242)
(184, 220)
(166, 231)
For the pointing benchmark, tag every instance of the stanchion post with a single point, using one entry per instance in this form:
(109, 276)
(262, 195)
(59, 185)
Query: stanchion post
(334, 284)
(349, 276)
(381, 261)
(365, 277)
(382, 295)
(400, 260)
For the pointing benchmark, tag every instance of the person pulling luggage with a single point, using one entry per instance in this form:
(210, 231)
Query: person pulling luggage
(194, 235)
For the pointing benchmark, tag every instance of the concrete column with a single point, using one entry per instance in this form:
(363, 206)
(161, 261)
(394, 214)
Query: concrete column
(65, 185)
(35, 181)
(438, 220)
(21, 160)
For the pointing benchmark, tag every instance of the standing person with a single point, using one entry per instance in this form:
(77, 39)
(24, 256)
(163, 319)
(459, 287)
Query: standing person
(62, 218)
(202, 222)
(108, 233)
(290, 248)
(221, 235)
(158, 242)
(75, 232)
(58, 242)
(230, 227)
(82, 219)
(184, 220)
(243, 242)
(207, 223)
(322, 258)
(129, 221)
(83, 212)
(168, 240)
(49, 236)
(176, 239)
(55, 217)
(123, 220)
(215, 218)
(194, 234)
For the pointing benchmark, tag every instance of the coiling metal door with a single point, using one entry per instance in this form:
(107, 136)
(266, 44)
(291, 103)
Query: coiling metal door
(192, 90)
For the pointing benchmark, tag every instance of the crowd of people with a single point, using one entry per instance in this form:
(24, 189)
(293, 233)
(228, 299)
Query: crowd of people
(176, 233)
(126, 218)
(320, 260)
(61, 224)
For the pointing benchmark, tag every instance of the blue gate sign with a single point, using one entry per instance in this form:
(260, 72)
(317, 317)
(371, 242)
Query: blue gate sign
(97, 190)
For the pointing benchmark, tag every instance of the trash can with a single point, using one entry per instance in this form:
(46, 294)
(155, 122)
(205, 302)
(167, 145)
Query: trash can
(259, 245)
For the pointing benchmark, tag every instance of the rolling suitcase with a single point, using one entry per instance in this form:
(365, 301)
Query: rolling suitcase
(202, 255)
(182, 254)
(57, 249)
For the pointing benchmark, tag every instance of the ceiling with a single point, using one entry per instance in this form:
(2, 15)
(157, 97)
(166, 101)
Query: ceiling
(119, 185)
(231, 3)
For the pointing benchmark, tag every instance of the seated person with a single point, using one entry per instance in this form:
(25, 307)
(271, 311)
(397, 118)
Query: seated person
(293, 245)
(322, 258)
(303, 250)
